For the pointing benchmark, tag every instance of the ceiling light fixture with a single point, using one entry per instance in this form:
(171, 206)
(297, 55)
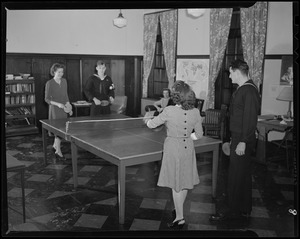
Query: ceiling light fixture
(196, 12)
(120, 21)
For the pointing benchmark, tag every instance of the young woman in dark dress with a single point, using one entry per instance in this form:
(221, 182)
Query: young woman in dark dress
(56, 96)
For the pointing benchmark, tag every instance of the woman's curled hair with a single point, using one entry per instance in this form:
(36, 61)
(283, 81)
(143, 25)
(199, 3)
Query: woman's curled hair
(56, 66)
(183, 95)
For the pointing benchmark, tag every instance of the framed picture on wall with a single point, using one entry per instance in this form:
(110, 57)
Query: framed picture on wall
(286, 73)
(195, 73)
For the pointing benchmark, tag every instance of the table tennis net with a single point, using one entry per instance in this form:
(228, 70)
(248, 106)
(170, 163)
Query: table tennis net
(105, 124)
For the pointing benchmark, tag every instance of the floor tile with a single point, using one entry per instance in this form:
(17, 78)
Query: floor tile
(91, 168)
(59, 194)
(25, 227)
(200, 189)
(110, 201)
(56, 166)
(90, 221)
(201, 227)
(52, 204)
(199, 207)
(11, 174)
(288, 195)
(26, 145)
(259, 212)
(265, 233)
(17, 192)
(144, 225)
(40, 178)
(284, 180)
(131, 170)
(154, 203)
(81, 180)
(44, 219)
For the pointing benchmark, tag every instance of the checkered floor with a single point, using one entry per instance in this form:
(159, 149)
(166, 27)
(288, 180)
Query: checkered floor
(52, 204)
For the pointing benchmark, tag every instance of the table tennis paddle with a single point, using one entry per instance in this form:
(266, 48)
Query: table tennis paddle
(68, 108)
(226, 148)
(104, 103)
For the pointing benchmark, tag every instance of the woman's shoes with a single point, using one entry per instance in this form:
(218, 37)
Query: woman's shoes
(176, 225)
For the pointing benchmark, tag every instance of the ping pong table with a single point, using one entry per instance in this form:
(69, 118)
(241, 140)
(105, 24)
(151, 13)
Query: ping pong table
(119, 141)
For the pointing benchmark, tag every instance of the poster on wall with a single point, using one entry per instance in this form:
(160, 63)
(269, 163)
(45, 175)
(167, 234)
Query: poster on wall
(286, 75)
(195, 73)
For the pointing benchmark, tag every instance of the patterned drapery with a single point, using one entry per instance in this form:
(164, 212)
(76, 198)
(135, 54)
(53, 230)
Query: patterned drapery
(220, 19)
(253, 32)
(150, 33)
(168, 22)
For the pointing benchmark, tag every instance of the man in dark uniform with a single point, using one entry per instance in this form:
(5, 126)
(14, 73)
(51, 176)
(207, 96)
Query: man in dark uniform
(244, 109)
(99, 90)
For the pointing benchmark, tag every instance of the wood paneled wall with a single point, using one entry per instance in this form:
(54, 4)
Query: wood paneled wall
(125, 72)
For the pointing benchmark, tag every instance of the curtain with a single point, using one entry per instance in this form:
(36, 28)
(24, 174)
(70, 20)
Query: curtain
(150, 33)
(168, 22)
(253, 32)
(220, 19)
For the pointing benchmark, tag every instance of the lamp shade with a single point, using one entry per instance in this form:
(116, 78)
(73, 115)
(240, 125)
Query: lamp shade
(286, 94)
(120, 21)
(196, 12)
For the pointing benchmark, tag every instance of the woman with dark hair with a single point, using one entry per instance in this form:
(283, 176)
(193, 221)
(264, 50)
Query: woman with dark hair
(56, 96)
(179, 170)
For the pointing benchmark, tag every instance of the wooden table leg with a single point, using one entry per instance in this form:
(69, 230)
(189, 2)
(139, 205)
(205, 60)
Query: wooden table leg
(215, 170)
(23, 193)
(121, 192)
(44, 136)
(74, 152)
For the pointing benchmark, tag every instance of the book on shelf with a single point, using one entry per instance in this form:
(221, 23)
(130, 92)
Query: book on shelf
(9, 76)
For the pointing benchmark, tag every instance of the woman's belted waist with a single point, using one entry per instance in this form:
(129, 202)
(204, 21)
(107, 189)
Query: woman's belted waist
(175, 136)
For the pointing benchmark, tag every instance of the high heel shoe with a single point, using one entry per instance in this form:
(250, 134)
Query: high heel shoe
(176, 225)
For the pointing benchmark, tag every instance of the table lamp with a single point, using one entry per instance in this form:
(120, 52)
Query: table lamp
(286, 94)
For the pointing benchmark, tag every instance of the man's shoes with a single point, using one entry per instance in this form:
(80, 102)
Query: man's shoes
(225, 217)
(217, 217)
(246, 215)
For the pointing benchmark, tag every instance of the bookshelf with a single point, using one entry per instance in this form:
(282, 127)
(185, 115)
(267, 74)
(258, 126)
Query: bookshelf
(20, 108)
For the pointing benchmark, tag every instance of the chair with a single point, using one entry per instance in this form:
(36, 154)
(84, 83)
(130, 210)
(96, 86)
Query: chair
(214, 122)
(288, 143)
(119, 105)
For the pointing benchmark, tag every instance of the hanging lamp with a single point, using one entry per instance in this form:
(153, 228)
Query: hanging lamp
(120, 21)
(196, 12)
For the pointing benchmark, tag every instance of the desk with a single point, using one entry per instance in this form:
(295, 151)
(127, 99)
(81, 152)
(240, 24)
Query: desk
(265, 124)
(123, 143)
(12, 164)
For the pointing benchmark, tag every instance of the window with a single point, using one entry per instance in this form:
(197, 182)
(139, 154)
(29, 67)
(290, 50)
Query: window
(158, 78)
(223, 85)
